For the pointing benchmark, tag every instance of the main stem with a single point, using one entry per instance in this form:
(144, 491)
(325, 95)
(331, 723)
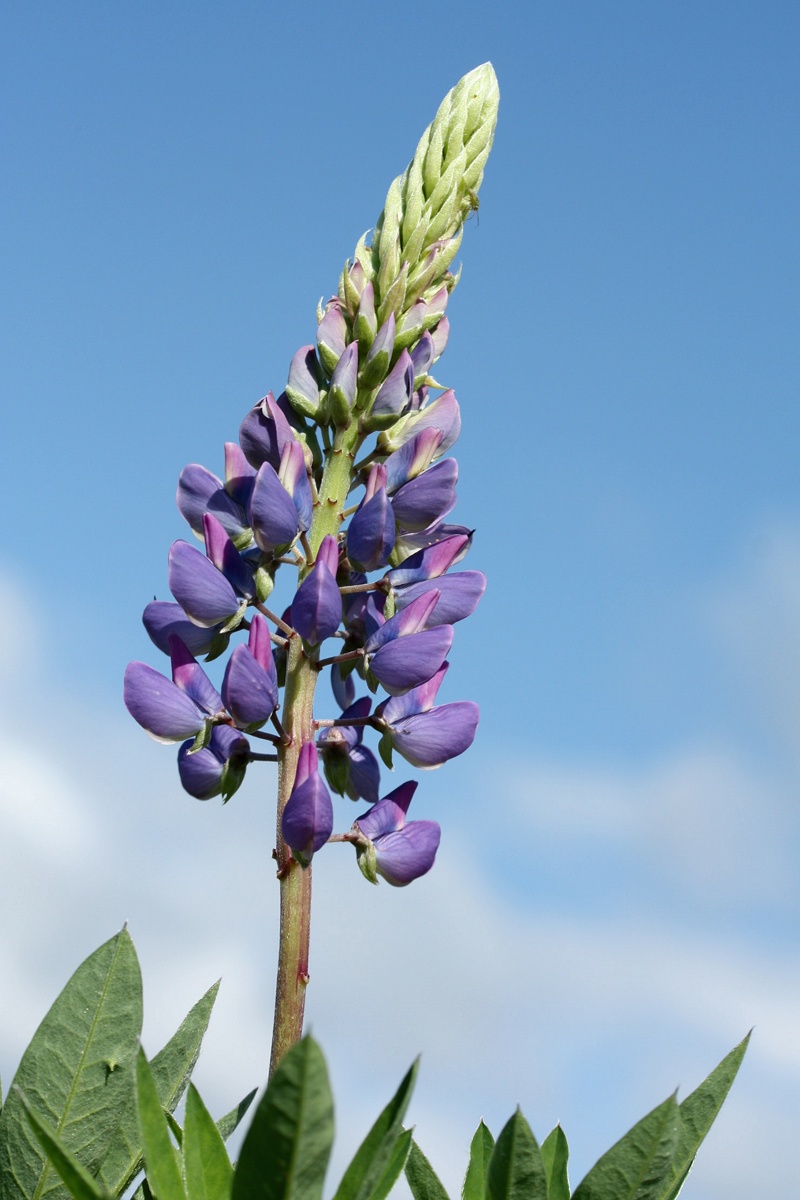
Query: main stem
(297, 719)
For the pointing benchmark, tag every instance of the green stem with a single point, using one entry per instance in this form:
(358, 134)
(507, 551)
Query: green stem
(297, 720)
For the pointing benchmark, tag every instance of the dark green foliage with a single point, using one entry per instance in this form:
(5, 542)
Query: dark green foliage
(422, 1179)
(516, 1170)
(636, 1166)
(286, 1151)
(555, 1154)
(376, 1160)
(480, 1152)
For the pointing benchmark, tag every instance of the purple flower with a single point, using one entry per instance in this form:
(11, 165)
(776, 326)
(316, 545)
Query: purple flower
(427, 736)
(171, 710)
(395, 393)
(343, 686)
(404, 653)
(317, 605)
(307, 820)
(459, 595)
(211, 588)
(218, 768)
(332, 335)
(305, 377)
(250, 685)
(350, 767)
(162, 618)
(441, 414)
(428, 498)
(399, 851)
(264, 432)
(371, 532)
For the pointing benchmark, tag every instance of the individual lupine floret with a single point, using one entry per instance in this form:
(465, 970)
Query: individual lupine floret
(350, 767)
(459, 593)
(426, 736)
(317, 605)
(403, 653)
(304, 386)
(381, 347)
(172, 710)
(264, 432)
(443, 414)
(162, 618)
(371, 532)
(214, 588)
(399, 851)
(217, 769)
(281, 505)
(344, 384)
(250, 684)
(427, 498)
(332, 335)
(201, 492)
(307, 820)
(394, 395)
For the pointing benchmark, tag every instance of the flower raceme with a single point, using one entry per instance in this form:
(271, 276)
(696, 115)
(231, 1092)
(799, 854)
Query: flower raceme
(360, 413)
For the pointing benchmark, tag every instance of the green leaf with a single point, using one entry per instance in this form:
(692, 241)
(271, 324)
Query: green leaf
(171, 1069)
(421, 1177)
(206, 1166)
(480, 1152)
(79, 1183)
(395, 1166)
(697, 1114)
(287, 1147)
(76, 1072)
(636, 1167)
(160, 1156)
(516, 1170)
(374, 1153)
(555, 1153)
(230, 1121)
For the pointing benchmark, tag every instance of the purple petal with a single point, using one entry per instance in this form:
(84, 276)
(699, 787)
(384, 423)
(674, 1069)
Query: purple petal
(239, 475)
(328, 553)
(419, 700)
(264, 432)
(428, 498)
(162, 618)
(307, 820)
(396, 389)
(440, 334)
(218, 768)
(317, 605)
(203, 592)
(221, 551)
(431, 738)
(413, 619)
(345, 375)
(167, 713)
(250, 693)
(273, 515)
(389, 814)
(302, 387)
(459, 595)
(190, 677)
(430, 562)
(196, 486)
(365, 775)
(371, 533)
(422, 356)
(294, 477)
(407, 662)
(413, 457)
(343, 687)
(406, 855)
(331, 334)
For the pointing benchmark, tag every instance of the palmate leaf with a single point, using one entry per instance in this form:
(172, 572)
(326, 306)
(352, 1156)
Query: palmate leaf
(516, 1170)
(697, 1114)
(75, 1073)
(555, 1154)
(285, 1153)
(480, 1152)
(360, 1180)
(171, 1069)
(421, 1177)
(637, 1166)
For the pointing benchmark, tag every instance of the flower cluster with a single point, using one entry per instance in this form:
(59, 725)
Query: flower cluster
(377, 579)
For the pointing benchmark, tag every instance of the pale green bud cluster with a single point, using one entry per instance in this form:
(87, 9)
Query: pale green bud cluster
(419, 231)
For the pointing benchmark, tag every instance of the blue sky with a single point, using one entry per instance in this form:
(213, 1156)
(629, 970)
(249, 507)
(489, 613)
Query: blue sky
(616, 898)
